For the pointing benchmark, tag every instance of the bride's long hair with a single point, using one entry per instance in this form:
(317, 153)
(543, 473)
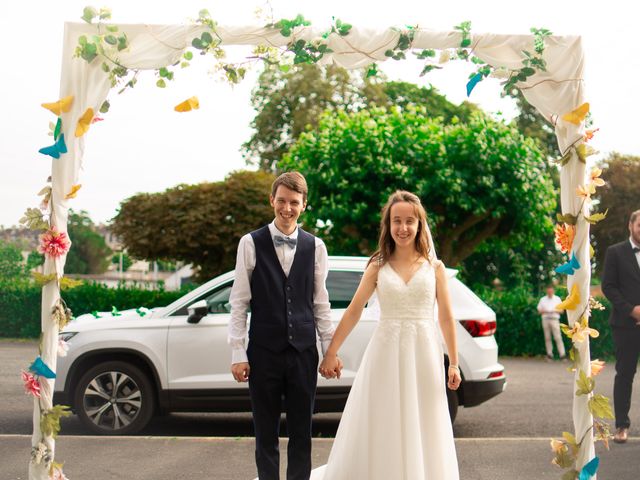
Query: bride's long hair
(386, 243)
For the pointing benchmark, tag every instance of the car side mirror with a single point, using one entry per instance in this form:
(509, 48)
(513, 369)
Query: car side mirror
(197, 311)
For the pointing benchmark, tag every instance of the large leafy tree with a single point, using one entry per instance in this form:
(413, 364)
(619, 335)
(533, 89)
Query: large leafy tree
(198, 224)
(90, 252)
(620, 196)
(289, 102)
(11, 261)
(479, 181)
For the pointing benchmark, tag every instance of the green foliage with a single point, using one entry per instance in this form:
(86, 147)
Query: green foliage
(50, 419)
(89, 253)
(620, 196)
(11, 261)
(20, 303)
(464, 174)
(519, 331)
(126, 260)
(199, 224)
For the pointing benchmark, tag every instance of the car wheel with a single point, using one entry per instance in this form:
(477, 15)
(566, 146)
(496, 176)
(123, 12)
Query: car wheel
(452, 399)
(114, 398)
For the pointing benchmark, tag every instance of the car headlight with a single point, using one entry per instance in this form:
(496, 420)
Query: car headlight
(66, 336)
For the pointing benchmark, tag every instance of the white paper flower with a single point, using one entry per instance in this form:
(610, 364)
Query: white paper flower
(41, 454)
(500, 73)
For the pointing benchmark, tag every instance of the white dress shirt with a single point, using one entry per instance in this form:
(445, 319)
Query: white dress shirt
(633, 245)
(548, 304)
(240, 297)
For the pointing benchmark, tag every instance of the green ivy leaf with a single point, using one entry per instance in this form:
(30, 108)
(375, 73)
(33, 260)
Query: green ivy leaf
(161, 83)
(599, 407)
(188, 55)
(111, 40)
(33, 220)
(570, 474)
(104, 108)
(567, 218)
(585, 384)
(88, 14)
(596, 217)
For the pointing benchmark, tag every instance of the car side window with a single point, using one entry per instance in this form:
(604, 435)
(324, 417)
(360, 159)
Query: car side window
(342, 287)
(217, 300)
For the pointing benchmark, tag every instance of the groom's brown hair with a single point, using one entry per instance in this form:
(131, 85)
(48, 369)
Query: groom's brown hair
(293, 181)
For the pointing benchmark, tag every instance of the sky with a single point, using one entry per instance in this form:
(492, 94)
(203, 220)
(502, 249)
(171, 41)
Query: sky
(144, 146)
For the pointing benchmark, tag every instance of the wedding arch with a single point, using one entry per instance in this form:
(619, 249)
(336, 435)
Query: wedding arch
(99, 55)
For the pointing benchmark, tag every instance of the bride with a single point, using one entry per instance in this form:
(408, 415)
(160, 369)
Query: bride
(396, 424)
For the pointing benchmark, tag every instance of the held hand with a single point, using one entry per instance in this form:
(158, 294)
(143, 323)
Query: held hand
(454, 378)
(240, 371)
(330, 367)
(635, 313)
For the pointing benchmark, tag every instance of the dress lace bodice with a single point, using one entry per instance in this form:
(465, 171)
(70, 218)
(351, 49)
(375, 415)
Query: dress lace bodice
(413, 300)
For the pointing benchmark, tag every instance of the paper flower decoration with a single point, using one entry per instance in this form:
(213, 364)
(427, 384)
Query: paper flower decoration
(188, 105)
(57, 474)
(572, 300)
(63, 348)
(142, 311)
(596, 367)
(31, 384)
(54, 244)
(581, 331)
(115, 312)
(61, 106)
(564, 236)
(41, 369)
(585, 191)
(588, 135)
(578, 115)
(594, 177)
(84, 122)
(41, 454)
(471, 84)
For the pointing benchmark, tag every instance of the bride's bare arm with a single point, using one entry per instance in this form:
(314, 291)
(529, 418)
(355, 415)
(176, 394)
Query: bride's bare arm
(447, 324)
(351, 317)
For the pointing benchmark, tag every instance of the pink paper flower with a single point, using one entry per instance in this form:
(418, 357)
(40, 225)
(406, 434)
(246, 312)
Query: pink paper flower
(31, 384)
(53, 243)
(58, 474)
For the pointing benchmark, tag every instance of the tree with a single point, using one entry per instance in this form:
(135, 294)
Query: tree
(619, 195)
(89, 252)
(198, 224)
(478, 181)
(286, 102)
(11, 261)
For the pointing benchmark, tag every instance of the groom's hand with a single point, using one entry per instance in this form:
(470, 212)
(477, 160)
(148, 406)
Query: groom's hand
(240, 371)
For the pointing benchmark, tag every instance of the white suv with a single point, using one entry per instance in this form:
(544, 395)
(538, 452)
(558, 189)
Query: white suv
(119, 370)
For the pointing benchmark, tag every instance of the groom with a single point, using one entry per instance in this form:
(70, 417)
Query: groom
(280, 274)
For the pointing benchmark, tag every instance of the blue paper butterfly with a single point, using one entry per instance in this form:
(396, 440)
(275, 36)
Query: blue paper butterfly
(570, 267)
(473, 82)
(590, 469)
(40, 368)
(56, 149)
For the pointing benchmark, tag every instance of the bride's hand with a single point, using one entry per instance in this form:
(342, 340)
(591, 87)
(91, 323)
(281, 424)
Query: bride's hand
(330, 366)
(454, 377)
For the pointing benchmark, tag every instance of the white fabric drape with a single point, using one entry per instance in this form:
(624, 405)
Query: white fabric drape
(553, 93)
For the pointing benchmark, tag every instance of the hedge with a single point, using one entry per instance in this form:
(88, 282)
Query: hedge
(519, 331)
(20, 303)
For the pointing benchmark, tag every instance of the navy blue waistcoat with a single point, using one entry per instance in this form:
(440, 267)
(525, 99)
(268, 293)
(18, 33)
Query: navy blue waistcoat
(281, 306)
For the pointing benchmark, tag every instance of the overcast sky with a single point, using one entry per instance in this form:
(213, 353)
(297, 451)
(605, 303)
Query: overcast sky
(144, 146)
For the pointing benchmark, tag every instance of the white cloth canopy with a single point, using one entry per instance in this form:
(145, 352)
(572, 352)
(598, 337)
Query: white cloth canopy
(554, 92)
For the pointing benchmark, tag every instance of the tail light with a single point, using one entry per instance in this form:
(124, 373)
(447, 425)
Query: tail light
(479, 328)
(496, 374)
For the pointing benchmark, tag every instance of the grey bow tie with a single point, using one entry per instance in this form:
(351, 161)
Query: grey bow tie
(278, 240)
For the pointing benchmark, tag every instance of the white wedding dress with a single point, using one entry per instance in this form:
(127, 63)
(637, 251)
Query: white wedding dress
(396, 424)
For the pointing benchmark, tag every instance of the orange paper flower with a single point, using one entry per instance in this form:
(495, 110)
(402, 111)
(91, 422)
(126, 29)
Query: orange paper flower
(585, 191)
(596, 367)
(564, 236)
(588, 135)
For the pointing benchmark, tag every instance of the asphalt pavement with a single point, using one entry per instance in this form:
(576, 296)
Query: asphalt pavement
(505, 438)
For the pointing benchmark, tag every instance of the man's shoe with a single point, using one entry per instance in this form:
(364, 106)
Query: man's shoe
(621, 435)
(549, 358)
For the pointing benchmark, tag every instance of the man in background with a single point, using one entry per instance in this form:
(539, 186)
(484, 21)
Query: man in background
(551, 322)
(621, 285)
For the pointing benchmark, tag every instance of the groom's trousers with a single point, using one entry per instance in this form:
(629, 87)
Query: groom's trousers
(627, 345)
(280, 380)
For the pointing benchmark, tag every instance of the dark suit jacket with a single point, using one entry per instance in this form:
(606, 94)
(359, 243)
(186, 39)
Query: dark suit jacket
(621, 283)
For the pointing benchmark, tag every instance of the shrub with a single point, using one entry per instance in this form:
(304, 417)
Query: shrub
(20, 303)
(519, 330)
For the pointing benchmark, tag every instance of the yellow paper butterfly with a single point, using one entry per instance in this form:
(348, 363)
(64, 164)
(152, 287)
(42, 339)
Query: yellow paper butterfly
(572, 301)
(73, 192)
(578, 115)
(84, 122)
(188, 105)
(61, 106)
